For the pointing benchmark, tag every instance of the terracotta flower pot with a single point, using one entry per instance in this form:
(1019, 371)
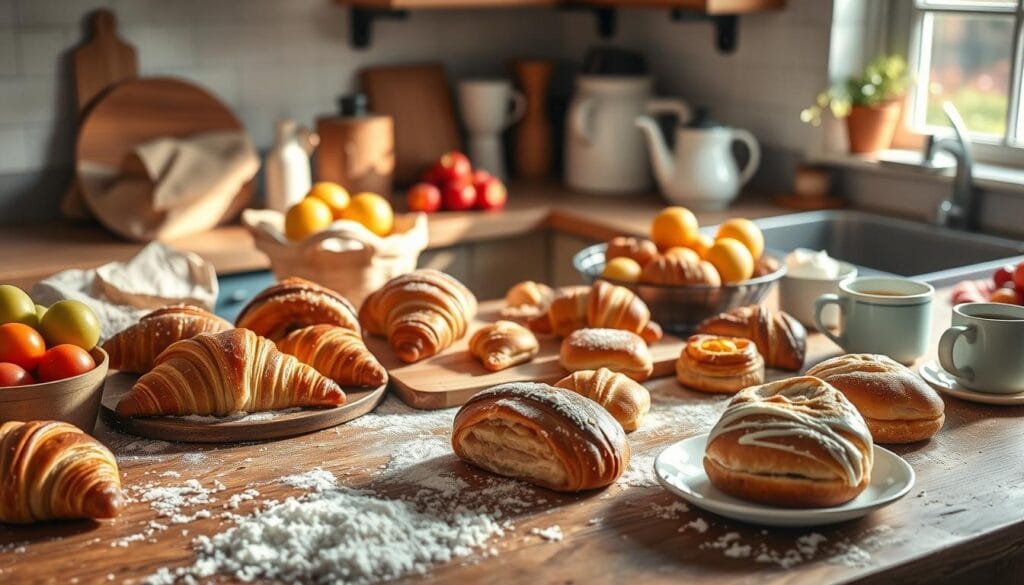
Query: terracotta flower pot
(871, 128)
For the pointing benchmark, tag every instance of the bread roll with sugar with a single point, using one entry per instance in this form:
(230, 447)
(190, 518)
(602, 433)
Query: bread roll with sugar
(724, 365)
(625, 399)
(898, 406)
(547, 436)
(615, 349)
(797, 443)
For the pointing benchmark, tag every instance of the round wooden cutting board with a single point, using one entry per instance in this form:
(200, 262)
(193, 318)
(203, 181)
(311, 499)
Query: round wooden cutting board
(250, 428)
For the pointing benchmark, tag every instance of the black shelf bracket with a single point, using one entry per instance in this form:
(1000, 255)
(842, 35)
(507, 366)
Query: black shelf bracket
(605, 17)
(361, 23)
(727, 27)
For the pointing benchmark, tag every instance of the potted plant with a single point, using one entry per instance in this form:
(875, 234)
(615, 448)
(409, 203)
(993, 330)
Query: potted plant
(871, 103)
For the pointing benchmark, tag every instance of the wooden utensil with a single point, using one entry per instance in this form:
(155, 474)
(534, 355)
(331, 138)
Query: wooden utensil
(419, 100)
(533, 138)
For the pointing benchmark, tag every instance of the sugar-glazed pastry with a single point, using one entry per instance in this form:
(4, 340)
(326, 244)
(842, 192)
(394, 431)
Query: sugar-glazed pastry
(678, 269)
(781, 339)
(724, 365)
(603, 305)
(797, 443)
(337, 353)
(639, 250)
(898, 406)
(615, 349)
(625, 399)
(295, 303)
(547, 436)
(503, 344)
(135, 348)
(527, 299)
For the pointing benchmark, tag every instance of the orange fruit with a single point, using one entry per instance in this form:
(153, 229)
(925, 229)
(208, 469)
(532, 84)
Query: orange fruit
(306, 218)
(333, 194)
(746, 232)
(702, 244)
(373, 211)
(732, 260)
(688, 253)
(674, 226)
(622, 269)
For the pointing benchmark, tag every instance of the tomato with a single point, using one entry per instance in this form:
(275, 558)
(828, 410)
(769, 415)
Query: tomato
(14, 375)
(64, 361)
(70, 322)
(16, 306)
(21, 345)
(1018, 276)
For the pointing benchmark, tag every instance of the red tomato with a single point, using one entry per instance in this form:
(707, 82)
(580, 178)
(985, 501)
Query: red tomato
(64, 361)
(14, 375)
(1018, 276)
(21, 345)
(1003, 275)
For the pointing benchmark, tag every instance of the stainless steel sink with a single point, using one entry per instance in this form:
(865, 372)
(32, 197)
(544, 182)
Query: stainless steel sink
(884, 245)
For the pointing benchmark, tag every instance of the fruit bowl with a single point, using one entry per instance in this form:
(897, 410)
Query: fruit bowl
(75, 400)
(680, 308)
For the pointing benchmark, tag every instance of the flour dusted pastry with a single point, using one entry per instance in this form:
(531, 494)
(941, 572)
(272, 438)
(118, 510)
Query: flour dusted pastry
(602, 305)
(547, 436)
(625, 399)
(781, 339)
(677, 269)
(221, 373)
(335, 352)
(724, 365)
(503, 344)
(640, 250)
(797, 443)
(295, 303)
(527, 299)
(896, 404)
(135, 348)
(615, 349)
(421, 313)
(52, 470)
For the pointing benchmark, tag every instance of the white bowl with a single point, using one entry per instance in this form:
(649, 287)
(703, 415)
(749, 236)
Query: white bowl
(797, 295)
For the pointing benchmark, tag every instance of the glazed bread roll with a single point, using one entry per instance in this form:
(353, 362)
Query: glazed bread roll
(723, 365)
(797, 443)
(781, 339)
(615, 349)
(896, 404)
(625, 399)
(503, 344)
(639, 250)
(527, 299)
(677, 269)
(295, 303)
(547, 436)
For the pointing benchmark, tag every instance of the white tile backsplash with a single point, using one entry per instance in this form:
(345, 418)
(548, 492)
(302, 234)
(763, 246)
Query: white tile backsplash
(51, 12)
(40, 50)
(161, 46)
(8, 53)
(12, 149)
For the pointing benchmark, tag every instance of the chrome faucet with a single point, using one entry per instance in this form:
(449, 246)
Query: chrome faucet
(961, 210)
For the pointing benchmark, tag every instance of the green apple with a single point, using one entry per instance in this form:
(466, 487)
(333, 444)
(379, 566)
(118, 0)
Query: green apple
(16, 306)
(71, 322)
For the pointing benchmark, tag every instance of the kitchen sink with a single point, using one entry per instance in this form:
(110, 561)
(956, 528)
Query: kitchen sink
(883, 245)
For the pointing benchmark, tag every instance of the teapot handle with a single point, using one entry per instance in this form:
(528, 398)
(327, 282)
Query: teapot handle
(678, 107)
(581, 120)
(746, 137)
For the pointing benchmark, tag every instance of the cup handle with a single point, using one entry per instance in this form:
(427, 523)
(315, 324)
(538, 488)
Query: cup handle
(946, 343)
(754, 149)
(518, 108)
(819, 306)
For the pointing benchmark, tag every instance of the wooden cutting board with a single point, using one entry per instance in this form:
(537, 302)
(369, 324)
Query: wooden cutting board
(453, 376)
(419, 100)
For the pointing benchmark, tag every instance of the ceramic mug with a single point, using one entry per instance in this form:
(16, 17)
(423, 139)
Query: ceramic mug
(798, 293)
(488, 106)
(881, 314)
(983, 349)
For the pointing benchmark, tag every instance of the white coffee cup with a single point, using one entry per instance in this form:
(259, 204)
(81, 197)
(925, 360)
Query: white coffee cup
(984, 349)
(488, 106)
(797, 295)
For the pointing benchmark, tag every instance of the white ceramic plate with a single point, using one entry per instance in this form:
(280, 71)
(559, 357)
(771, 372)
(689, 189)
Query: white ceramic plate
(935, 375)
(680, 470)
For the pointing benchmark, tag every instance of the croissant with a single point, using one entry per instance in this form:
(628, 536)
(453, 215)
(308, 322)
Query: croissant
(503, 344)
(337, 353)
(295, 303)
(51, 470)
(421, 313)
(640, 250)
(135, 349)
(603, 305)
(676, 269)
(221, 373)
(527, 299)
(625, 399)
(780, 339)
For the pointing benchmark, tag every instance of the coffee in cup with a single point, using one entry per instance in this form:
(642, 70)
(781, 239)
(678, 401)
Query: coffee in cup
(984, 348)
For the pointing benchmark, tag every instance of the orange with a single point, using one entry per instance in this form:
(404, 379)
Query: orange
(622, 269)
(674, 226)
(306, 218)
(333, 194)
(746, 232)
(732, 260)
(373, 211)
(702, 245)
(688, 253)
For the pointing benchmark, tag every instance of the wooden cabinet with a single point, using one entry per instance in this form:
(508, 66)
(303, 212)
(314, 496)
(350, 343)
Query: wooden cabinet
(712, 7)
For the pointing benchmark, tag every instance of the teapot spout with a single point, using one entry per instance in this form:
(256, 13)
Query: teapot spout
(661, 158)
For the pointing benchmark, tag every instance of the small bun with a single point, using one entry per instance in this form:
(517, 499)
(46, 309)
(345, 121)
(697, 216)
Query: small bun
(625, 399)
(677, 269)
(615, 349)
(723, 365)
(527, 299)
(642, 251)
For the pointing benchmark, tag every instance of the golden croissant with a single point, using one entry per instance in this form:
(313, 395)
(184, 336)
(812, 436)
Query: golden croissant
(421, 313)
(221, 373)
(295, 303)
(337, 353)
(624, 398)
(602, 306)
(51, 470)
(503, 344)
(780, 339)
(135, 349)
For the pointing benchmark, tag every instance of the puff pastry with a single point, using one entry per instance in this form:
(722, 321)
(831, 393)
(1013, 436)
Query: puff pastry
(615, 349)
(640, 250)
(503, 344)
(135, 348)
(335, 352)
(603, 305)
(677, 269)
(625, 399)
(723, 365)
(295, 303)
(527, 299)
(781, 339)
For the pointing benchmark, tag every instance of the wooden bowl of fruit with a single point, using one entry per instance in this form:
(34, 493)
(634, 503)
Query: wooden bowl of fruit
(46, 372)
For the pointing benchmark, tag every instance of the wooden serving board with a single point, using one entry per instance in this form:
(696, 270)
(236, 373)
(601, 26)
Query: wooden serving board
(284, 424)
(453, 376)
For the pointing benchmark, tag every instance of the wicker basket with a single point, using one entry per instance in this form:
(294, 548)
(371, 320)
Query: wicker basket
(346, 257)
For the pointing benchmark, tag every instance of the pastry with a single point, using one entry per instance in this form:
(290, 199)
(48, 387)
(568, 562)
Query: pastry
(797, 443)
(544, 435)
(421, 313)
(135, 348)
(625, 399)
(615, 349)
(335, 352)
(898, 406)
(503, 344)
(781, 339)
(52, 470)
(527, 299)
(295, 303)
(679, 269)
(222, 373)
(602, 305)
(640, 250)
(723, 365)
